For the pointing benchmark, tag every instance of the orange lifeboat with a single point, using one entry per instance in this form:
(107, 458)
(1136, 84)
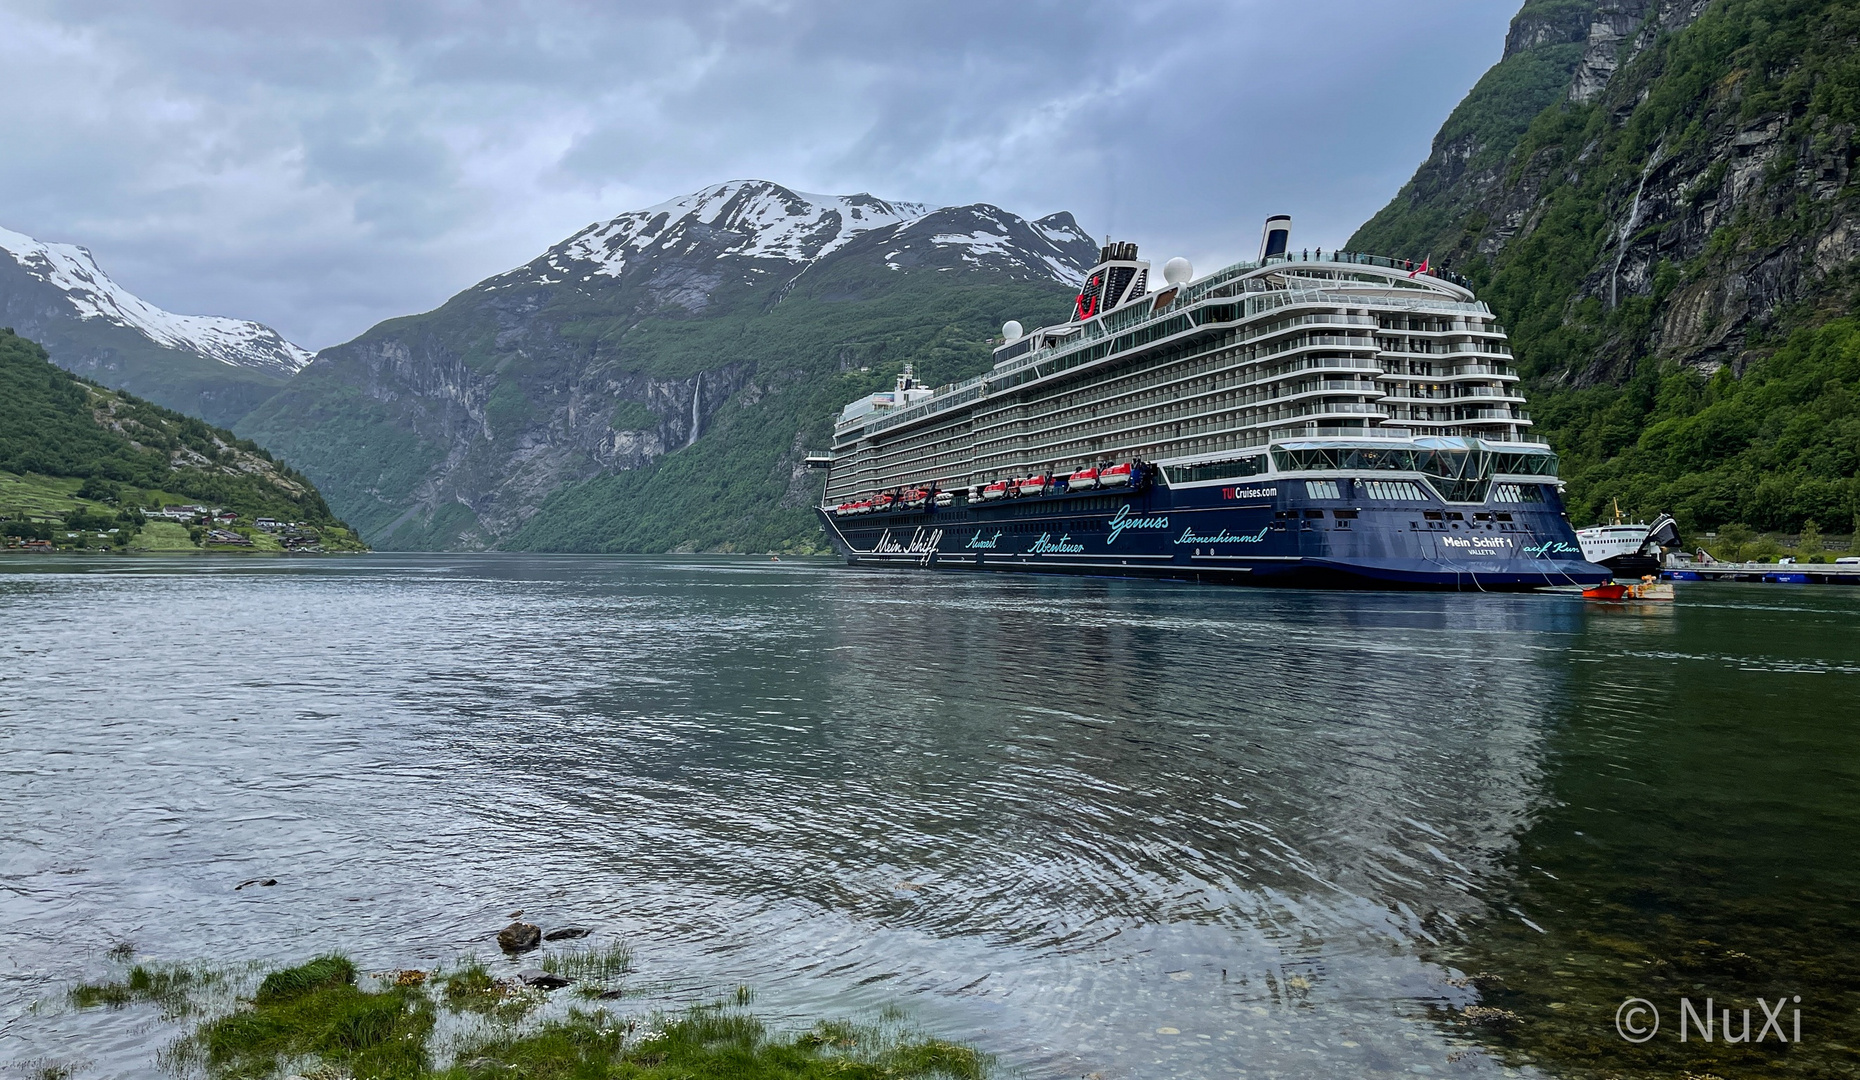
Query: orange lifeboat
(1114, 476)
(996, 490)
(1032, 485)
(1083, 480)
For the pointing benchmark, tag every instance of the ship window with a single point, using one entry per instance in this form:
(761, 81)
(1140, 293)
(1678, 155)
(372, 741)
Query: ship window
(1431, 515)
(1482, 517)
(1314, 513)
(1217, 470)
(1504, 517)
(1321, 489)
(1517, 493)
(1391, 489)
(1455, 515)
(1345, 514)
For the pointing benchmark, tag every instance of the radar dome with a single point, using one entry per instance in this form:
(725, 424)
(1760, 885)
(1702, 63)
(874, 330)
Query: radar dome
(1011, 330)
(1177, 271)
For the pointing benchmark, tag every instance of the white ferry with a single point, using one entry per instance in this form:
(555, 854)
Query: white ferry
(1307, 418)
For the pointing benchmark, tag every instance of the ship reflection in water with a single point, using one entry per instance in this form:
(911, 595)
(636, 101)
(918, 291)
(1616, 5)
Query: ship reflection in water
(1095, 826)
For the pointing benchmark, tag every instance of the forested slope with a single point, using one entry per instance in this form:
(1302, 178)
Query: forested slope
(131, 454)
(1671, 242)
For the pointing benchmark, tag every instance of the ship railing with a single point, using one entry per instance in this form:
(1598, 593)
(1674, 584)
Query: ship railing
(1437, 348)
(1324, 431)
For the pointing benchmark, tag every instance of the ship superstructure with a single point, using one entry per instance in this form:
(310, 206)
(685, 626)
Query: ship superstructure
(1366, 407)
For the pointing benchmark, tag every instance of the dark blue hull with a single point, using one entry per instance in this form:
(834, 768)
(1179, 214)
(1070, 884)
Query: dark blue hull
(1258, 534)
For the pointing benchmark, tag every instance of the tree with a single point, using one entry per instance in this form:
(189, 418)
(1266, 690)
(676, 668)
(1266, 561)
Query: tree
(1810, 543)
(1731, 541)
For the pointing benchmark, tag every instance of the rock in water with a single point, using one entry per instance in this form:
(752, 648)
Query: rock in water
(541, 979)
(563, 933)
(519, 937)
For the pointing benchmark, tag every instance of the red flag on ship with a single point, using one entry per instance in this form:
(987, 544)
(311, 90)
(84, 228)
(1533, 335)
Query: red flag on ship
(1421, 269)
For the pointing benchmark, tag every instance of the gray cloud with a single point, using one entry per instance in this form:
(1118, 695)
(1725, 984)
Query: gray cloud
(321, 167)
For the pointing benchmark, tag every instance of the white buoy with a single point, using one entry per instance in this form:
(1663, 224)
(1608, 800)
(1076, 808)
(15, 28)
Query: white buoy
(1011, 330)
(1178, 271)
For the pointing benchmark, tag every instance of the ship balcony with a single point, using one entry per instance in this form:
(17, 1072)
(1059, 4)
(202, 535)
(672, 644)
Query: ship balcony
(1296, 322)
(1320, 431)
(1263, 353)
(1405, 394)
(1317, 412)
(1318, 364)
(1395, 368)
(1452, 415)
(1458, 329)
(1306, 391)
(1399, 347)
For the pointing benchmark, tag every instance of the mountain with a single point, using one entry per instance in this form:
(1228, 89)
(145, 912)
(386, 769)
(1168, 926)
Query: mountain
(94, 456)
(213, 367)
(1659, 199)
(653, 381)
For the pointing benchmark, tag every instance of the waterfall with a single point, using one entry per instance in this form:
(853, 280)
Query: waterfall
(1627, 229)
(697, 390)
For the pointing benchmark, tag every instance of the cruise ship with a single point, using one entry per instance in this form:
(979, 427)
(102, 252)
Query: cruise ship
(1316, 419)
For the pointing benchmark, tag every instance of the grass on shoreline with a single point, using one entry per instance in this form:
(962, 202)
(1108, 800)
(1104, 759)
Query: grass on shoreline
(322, 1018)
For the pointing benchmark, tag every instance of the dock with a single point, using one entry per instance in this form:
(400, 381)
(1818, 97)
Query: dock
(1790, 574)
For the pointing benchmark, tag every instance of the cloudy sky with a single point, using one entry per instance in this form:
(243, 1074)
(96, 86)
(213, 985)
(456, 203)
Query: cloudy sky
(321, 166)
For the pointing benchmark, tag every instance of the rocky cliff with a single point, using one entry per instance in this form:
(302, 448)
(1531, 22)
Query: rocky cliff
(653, 381)
(1649, 191)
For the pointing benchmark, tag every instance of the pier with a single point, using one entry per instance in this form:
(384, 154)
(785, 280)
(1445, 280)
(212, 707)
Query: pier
(1776, 573)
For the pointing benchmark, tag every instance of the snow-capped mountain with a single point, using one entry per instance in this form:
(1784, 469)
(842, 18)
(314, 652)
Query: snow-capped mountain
(91, 295)
(735, 320)
(753, 219)
(763, 231)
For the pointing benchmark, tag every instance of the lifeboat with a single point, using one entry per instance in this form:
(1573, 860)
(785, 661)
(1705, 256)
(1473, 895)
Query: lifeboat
(883, 502)
(916, 498)
(996, 490)
(1032, 485)
(1114, 476)
(860, 507)
(843, 509)
(1083, 480)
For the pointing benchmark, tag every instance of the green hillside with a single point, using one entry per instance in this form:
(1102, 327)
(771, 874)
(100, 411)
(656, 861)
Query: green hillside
(737, 488)
(1674, 259)
(77, 457)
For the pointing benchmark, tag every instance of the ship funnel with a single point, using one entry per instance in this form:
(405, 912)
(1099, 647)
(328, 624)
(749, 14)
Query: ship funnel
(1117, 251)
(1276, 238)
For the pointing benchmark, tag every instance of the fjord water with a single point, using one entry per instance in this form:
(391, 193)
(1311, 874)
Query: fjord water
(1096, 827)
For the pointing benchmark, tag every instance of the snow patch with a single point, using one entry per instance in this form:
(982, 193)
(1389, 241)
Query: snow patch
(754, 219)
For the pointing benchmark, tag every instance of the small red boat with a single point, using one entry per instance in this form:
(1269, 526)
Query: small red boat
(1033, 485)
(996, 490)
(1648, 589)
(1114, 476)
(1083, 480)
